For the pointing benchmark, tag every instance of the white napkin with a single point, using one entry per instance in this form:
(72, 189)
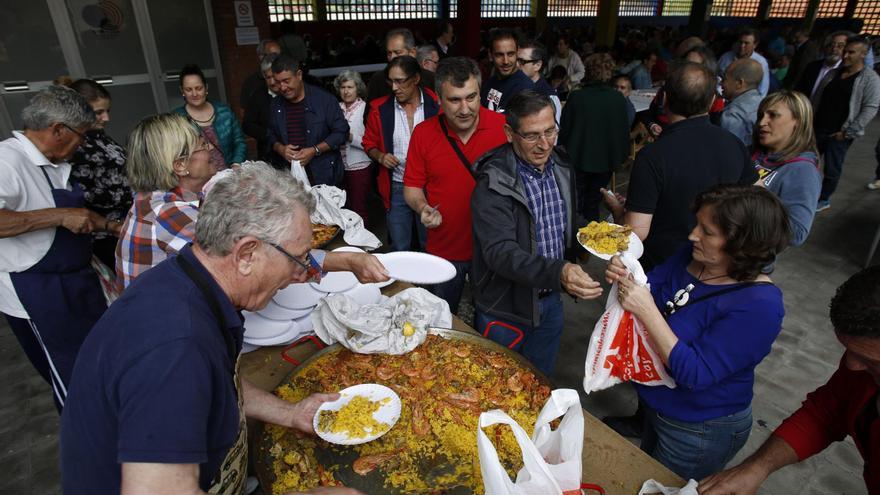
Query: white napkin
(329, 202)
(652, 486)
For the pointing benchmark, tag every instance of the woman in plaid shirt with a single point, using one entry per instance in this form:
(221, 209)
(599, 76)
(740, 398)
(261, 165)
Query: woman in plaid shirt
(168, 164)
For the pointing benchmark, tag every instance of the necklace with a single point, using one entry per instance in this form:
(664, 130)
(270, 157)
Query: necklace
(682, 296)
(210, 119)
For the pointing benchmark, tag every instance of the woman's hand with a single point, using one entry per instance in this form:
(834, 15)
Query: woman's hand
(635, 298)
(303, 412)
(615, 270)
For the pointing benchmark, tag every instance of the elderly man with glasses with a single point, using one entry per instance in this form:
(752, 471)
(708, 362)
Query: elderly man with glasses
(157, 404)
(49, 292)
(524, 223)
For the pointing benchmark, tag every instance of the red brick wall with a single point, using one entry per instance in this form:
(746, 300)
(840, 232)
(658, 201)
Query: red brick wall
(238, 62)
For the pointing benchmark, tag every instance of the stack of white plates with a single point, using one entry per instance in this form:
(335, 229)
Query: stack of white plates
(287, 317)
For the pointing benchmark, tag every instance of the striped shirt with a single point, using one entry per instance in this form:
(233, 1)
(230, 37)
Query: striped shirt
(402, 133)
(295, 116)
(547, 208)
(159, 224)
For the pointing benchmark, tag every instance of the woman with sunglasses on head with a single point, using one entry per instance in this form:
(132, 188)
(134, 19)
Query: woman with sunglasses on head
(711, 316)
(168, 165)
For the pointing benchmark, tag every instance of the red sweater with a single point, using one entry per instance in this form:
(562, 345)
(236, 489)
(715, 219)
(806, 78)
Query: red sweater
(833, 411)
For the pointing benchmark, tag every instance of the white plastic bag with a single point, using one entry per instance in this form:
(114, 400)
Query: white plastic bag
(552, 459)
(652, 486)
(298, 171)
(329, 202)
(378, 328)
(619, 347)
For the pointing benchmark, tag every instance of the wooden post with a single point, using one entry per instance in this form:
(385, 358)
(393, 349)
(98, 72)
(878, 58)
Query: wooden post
(850, 9)
(539, 11)
(320, 7)
(810, 15)
(763, 10)
(698, 21)
(467, 29)
(606, 22)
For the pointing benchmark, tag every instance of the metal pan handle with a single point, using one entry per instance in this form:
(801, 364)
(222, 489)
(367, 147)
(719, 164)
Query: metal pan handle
(293, 360)
(591, 486)
(512, 328)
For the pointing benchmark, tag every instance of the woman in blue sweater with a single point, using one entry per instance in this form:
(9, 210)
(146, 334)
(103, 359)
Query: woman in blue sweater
(215, 121)
(711, 316)
(785, 157)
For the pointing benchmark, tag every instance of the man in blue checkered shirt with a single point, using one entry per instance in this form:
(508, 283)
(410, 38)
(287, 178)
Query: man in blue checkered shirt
(524, 216)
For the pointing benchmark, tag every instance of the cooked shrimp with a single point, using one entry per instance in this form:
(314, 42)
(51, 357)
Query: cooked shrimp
(364, 465)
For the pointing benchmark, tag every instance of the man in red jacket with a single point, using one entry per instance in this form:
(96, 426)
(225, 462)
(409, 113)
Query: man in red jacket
(847, 405)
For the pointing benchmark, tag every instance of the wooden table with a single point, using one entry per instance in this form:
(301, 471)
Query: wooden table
(609, 459)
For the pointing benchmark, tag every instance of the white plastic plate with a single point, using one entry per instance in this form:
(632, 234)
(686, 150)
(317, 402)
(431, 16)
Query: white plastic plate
(335, 282)
(298, 296)
(635, 248)
(417, 268)
(275, 312)
(365, 294)
(260, 327)
(292, 333)
(388, 413)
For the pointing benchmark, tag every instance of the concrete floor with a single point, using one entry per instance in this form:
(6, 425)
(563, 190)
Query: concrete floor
(804, 356)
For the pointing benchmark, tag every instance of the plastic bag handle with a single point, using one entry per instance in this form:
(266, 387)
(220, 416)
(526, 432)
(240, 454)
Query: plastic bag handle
(293, 360)
(512, 328)
(591, 486)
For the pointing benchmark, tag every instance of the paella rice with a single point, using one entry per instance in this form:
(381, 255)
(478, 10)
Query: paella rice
(444, 385)
(604, 237)
(354, 418)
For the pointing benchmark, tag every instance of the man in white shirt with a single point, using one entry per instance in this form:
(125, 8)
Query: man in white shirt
(745, 48)
(49, 292)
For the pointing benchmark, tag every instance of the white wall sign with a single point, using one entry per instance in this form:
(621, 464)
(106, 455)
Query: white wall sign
(247, 36)
(244, 14)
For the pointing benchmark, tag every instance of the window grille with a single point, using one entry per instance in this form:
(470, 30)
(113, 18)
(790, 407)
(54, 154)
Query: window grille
(869, 12)
(637, 7)
(677, 7)
(572, 8)
(788, 8)
(831, 8)
(295, 10)
(735, 8)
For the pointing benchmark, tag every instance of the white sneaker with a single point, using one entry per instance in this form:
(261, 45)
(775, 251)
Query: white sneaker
(874, 185)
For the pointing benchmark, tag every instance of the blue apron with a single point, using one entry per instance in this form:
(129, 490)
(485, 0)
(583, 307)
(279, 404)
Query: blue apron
(62, 295)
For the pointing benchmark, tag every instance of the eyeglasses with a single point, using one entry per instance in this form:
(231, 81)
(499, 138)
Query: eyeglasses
(206, 146)
(534, 137)
(79, 134)
(523, 61)
(399, 82)
(305, 265)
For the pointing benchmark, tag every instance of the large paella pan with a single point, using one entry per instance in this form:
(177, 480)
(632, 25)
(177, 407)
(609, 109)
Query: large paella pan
(444, 384)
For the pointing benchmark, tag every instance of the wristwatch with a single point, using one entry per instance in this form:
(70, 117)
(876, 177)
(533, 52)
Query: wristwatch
(317, 150)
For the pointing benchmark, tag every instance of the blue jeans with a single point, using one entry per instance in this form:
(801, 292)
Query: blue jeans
(450, 291)
(400, 218)
(695, 450)
(834, 153)
(540, 345)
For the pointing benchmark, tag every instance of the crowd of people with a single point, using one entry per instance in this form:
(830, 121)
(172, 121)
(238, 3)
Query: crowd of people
(493, 170)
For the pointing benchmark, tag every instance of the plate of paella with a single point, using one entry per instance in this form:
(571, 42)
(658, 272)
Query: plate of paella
(605, 239)
(322, 234)
(362, 413)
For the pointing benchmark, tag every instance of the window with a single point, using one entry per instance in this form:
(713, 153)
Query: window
(296, 10)
(735, 8)
(831, 8)
(637, 7)
(572, 8)
(358, 10)
(788, 8)
(869, 12)
(677, 7)
(506, 8)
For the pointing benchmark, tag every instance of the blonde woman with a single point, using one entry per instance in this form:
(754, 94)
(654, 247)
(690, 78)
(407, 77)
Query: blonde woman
(168, 164)
(785, 157)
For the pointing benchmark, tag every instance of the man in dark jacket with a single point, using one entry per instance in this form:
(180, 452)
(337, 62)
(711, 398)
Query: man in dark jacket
(306, 125)
(257, 111)
(523, 211)
(806, 51)
(818, 73)
(398, 42)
